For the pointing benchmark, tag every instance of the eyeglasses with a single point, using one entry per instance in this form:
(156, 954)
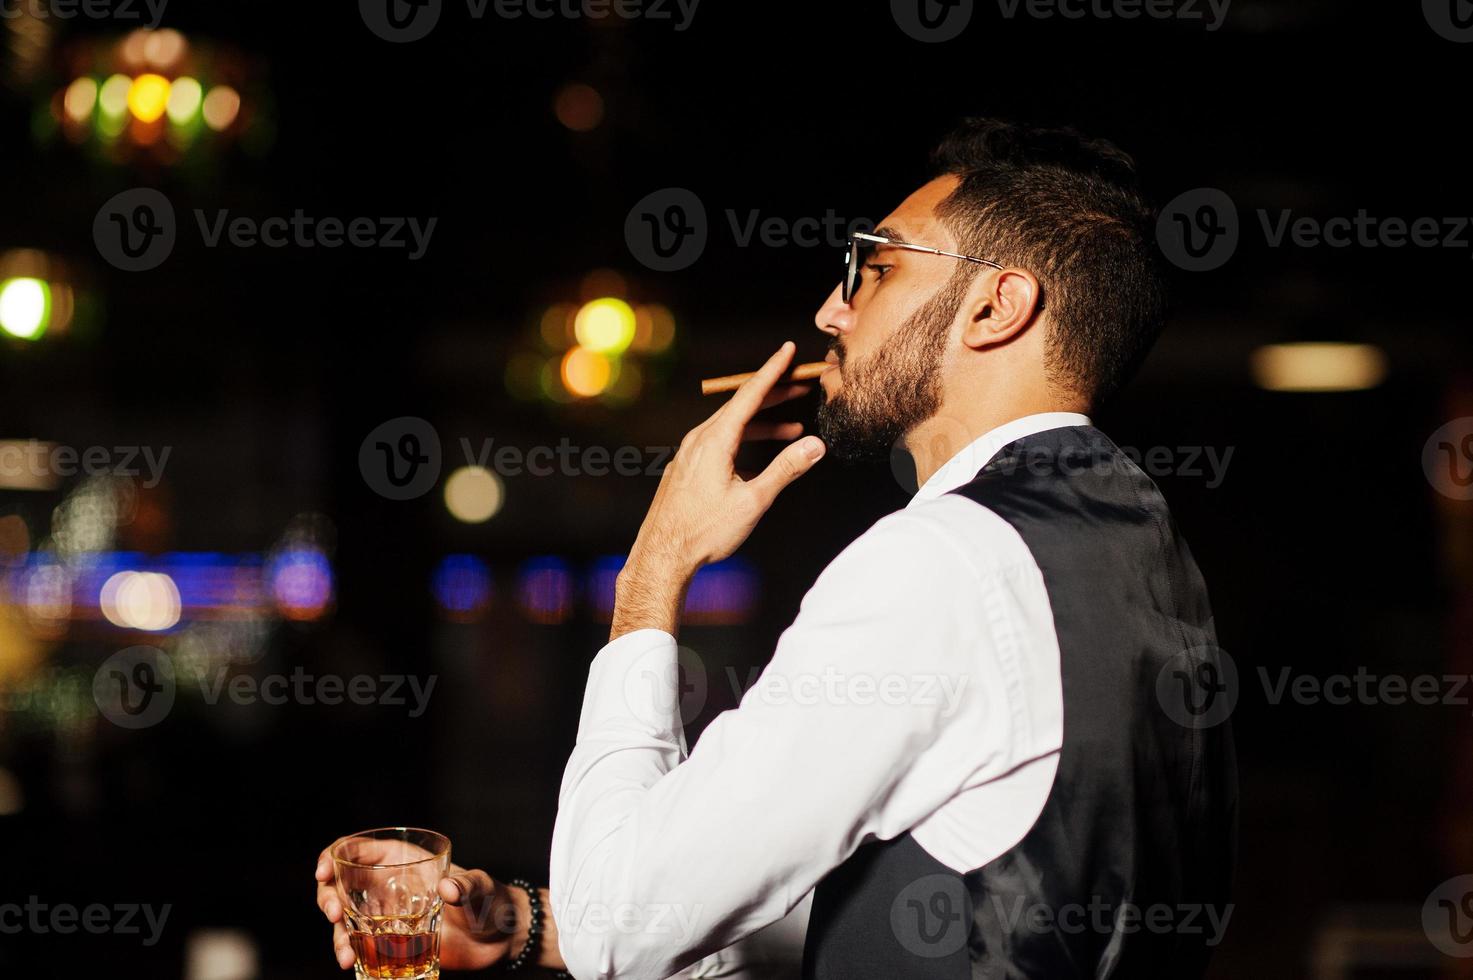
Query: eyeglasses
(862, 246)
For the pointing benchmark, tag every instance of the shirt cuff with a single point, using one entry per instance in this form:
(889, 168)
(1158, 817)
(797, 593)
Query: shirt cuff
(634, 684)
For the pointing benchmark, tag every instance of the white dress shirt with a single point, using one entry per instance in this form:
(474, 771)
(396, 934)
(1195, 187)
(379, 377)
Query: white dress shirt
(917, 690)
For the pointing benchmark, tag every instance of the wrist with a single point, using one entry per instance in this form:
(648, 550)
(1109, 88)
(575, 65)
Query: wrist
(533, 943)
(648, 594)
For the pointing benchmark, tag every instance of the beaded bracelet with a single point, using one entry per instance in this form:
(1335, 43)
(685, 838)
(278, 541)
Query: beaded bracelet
(534, 930)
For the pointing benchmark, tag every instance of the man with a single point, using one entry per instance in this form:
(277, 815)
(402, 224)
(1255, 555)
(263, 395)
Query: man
(962, 746)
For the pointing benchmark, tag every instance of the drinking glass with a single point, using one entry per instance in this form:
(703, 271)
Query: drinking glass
(388, 880)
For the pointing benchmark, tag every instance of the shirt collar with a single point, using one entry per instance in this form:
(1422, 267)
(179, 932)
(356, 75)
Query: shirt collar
(960, 469)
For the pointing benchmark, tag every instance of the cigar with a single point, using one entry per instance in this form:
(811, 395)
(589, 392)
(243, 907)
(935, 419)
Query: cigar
(731, 382)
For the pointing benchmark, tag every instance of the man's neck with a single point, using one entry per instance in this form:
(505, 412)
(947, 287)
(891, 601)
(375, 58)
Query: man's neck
(942, 436)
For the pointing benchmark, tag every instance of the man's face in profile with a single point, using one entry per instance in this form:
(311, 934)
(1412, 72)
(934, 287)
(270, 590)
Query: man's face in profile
(890, 340)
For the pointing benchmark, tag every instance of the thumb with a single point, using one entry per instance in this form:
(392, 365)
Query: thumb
(459, 889)
(795, 460)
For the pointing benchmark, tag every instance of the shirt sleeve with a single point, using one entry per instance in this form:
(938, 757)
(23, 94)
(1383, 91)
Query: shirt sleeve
(659, 859)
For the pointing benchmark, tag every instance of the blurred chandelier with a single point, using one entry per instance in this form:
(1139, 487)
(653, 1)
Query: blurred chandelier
(153, 95)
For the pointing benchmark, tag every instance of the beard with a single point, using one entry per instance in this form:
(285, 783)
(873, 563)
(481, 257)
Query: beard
(897, 388)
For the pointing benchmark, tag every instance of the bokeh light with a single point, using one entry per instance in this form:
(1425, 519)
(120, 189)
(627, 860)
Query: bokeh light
(1318, 367)
(654, 329)
(586, 373)
(25, 307)
(221, 107)
(473, 494)
(186, 96)
(141, 600)
(545, 590)
(605, 325)
(301, 582)
(148, 97)
(556, 326)
(579, 107)
(462, 587)
(80, 99)
(112, 98)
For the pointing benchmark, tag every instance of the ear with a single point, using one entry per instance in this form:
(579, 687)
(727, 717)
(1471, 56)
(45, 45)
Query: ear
(1003, 307)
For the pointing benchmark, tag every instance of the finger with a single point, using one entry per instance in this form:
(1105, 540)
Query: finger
(795, 460)
(329, 903)
(461, 888)
(324, 869)
(749, 397)
(342, 948)
(758, 431)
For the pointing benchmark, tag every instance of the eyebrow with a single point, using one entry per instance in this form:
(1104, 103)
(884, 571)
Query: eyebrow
(885, 231)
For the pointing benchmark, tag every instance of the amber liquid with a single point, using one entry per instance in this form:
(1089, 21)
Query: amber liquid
(395, 955)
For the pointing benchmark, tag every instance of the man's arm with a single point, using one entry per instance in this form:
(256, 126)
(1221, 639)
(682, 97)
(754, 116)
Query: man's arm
(880, 702)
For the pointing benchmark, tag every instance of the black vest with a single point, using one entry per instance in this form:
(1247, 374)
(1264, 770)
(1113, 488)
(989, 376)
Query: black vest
(1135, 842)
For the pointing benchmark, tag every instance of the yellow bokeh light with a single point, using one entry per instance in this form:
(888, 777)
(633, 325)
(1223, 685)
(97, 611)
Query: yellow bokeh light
(585, 372)
(148, 97)
(605, 325)
(221, 107)
(1318, 367)
(473, 494)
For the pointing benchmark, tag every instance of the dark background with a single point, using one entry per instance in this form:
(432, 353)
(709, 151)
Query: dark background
(1325, 546)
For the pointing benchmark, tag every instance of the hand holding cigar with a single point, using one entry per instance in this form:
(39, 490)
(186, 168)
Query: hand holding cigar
(731, 382)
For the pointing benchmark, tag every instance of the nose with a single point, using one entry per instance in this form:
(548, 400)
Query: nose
(835, 316)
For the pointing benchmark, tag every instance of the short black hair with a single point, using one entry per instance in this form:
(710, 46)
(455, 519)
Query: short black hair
(1070, 210)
